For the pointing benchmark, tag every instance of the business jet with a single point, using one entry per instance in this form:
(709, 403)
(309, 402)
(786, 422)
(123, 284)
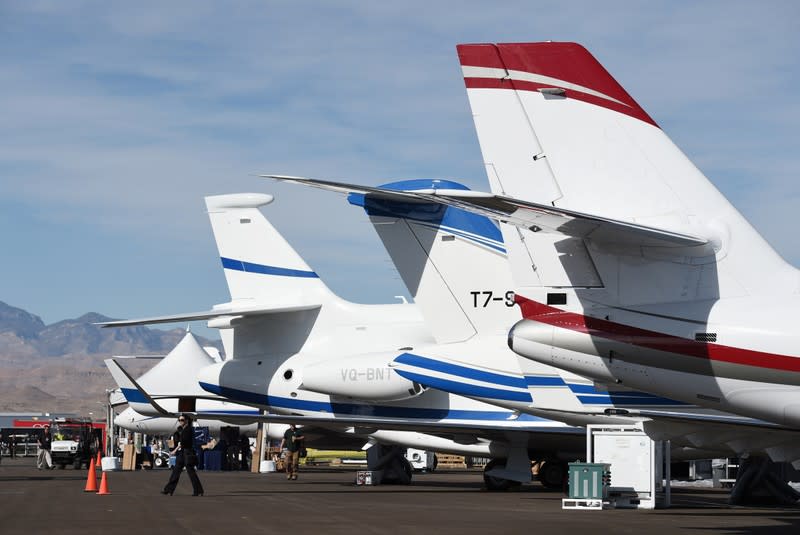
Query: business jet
(309, 357)
(629, 266)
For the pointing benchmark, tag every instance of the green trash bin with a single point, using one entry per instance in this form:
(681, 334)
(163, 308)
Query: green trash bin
(589, 481)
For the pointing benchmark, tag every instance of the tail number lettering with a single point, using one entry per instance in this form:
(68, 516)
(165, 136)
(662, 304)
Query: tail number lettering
(482, 298)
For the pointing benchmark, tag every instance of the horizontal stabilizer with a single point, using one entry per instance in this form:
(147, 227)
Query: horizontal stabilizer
(529, 215)
(231, 312)
(139, 357)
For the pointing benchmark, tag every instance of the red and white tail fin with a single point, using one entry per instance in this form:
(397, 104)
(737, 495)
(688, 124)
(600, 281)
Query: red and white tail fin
(555, 128)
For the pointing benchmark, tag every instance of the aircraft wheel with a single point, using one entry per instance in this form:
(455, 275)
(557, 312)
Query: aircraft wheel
(497, 483)
(552, 474)
(409, 470)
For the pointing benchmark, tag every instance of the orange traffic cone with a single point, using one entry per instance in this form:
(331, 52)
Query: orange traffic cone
(103, 485)
(91, 479)
(99, 460)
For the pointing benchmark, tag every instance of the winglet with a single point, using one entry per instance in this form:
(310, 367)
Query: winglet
(131, 389)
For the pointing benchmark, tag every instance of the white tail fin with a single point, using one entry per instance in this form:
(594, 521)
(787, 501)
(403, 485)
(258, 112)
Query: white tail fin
(263, 269)
(556, 129)
(452, 262)
(259, 263)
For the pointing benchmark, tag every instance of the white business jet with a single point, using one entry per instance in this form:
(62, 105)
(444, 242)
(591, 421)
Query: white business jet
(630, 268)
(307, 356)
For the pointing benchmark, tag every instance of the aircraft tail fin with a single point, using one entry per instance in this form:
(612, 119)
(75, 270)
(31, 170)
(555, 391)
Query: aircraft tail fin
(169, 380)
(259, 264)
(453, 262)
(138, 398)
(555, 128)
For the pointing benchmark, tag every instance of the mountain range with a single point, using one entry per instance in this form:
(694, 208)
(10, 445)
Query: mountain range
(59, 367)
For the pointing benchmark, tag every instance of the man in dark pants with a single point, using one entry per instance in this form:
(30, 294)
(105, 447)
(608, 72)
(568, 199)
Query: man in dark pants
(292, 440)
(185, 456)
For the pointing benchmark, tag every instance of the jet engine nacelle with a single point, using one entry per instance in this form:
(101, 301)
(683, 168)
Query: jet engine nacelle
(366, 377)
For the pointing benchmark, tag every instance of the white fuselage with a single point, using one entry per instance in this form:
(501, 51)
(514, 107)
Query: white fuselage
(738, 354)
(363, 384)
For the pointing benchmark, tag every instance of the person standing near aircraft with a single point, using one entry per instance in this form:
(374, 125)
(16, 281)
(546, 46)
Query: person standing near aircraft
(292, 440)
(43, 456)
(185, 455)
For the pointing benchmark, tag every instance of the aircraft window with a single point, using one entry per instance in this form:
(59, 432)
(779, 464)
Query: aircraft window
(244, 220)
(557, 299)
(288, 374)
(448, 237)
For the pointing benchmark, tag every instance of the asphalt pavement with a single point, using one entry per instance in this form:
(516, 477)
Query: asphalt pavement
(327, 501)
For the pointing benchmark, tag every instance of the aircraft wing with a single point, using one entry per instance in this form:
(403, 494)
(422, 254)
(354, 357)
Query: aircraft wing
(529, 215)
(222, 312)
(719, 433)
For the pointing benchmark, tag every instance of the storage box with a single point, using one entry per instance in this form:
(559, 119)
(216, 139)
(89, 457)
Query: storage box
(588, 481)
(110, 464)
(369, 477)
(213, 460)
(267, 466)
(129, 457)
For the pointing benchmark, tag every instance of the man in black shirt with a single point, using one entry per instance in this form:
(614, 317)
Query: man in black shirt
(292, 440)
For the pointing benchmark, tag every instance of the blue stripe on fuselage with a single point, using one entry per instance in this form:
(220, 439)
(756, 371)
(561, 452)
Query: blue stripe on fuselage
(532, 380)
(461, 371)
(466, 389)
(354, 409)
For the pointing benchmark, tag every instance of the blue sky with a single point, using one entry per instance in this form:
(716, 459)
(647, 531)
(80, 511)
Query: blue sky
(117, 118)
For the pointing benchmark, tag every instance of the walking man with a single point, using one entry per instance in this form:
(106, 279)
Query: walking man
(43, 455)
(293, 441)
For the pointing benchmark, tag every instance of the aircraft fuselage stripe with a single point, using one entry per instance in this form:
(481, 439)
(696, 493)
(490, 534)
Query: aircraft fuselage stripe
(462, 371)
(627, 334)
(465, 389)
(354, 409)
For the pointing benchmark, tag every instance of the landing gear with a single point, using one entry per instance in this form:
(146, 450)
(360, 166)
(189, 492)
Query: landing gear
(392, 464)
(758, 483)
(494, 483)
(552, 474)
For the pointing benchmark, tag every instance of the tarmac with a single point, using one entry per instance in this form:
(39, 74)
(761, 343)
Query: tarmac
(327, 501)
